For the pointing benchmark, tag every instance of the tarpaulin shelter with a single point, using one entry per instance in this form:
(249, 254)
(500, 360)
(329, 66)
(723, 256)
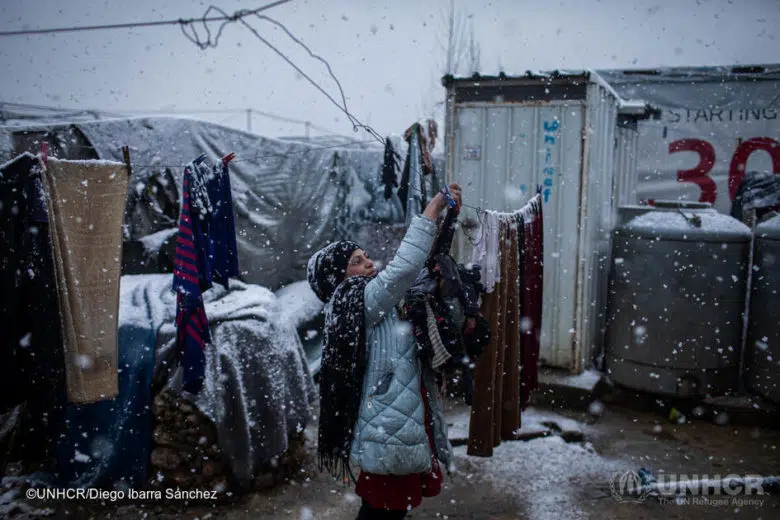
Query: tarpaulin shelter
(291, 196)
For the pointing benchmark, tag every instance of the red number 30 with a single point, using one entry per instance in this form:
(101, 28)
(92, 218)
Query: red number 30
(700, 174)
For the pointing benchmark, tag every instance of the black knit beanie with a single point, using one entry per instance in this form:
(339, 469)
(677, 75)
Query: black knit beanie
(328, 266)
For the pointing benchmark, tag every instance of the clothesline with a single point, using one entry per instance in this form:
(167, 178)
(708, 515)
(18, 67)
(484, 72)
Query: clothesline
(240, 159)
(525, 211)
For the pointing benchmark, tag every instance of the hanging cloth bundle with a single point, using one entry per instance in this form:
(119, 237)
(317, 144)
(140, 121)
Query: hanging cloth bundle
(507, 372)
(389, 169)
(418, 165)
(532, 276)
(85, 202)
(205, 252)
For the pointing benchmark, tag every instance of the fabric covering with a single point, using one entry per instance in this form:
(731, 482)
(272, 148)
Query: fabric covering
(85, 203)
(32, 363)
(257, 387)
(107, 444)
(758, 191)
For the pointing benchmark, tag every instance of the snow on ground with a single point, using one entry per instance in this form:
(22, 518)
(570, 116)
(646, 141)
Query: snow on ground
(532, 422)
(548, 474)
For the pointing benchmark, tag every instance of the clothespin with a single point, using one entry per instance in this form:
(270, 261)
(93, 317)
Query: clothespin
(200, 158)
(45, 153)
(126, 156)
(229, 157)
(447, 195)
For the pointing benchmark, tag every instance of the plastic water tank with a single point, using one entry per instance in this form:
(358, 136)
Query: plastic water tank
(629, 211)
(676, 303)
(762, 356)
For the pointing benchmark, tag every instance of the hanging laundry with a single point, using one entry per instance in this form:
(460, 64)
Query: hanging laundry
(412, 189)
(507, 372)
(389, 169)
(221, 233)
(532, 260)
(495, 414)
(32, 361)
(86, 201)
(205, 252)
(487, 251)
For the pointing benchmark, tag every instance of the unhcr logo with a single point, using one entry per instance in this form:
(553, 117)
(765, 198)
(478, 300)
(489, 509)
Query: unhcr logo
(628, 486)
(636, 486)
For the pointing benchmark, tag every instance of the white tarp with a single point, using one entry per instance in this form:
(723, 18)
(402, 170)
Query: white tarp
(716, 124)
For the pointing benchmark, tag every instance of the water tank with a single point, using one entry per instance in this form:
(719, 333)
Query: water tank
(677, 296)
(629, 211)
(762, 356)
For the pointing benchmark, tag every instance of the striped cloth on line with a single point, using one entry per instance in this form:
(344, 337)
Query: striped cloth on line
(192, 330)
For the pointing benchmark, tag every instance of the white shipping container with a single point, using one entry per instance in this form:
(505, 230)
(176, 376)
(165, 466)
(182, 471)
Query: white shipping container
(505, 136)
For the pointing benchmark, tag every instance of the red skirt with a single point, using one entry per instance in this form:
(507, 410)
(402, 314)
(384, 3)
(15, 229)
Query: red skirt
(402, 492)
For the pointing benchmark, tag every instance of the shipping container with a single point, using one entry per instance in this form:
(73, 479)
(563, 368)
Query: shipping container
(717, 123)
(505, 136)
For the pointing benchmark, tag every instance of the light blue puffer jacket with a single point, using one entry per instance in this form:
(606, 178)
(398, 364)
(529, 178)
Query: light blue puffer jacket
(390, 436)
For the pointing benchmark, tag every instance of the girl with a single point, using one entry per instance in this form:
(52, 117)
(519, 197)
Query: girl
(379, 409)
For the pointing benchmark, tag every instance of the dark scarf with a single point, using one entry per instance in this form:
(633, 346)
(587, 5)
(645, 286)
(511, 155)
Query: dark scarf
(341, 375)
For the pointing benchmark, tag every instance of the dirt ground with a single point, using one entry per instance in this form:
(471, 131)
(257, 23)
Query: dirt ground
(563, 471)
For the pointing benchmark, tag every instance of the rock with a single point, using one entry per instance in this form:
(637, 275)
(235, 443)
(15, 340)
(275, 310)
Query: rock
(165, 458)
(163, 437)
(158, 405)
(182, 478)
(212, 468)
(192, 419)
(264, 481)
(185, 407)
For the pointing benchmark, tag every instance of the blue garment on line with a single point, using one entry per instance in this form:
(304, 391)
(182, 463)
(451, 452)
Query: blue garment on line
(113, 437)
(221, 233)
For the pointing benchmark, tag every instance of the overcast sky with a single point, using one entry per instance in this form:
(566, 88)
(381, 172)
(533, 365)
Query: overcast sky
(387, 55)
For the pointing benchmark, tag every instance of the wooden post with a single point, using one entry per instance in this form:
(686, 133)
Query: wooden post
(126, 155)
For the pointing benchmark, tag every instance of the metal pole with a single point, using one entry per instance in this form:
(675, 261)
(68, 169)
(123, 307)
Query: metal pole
(308, 124)
(742, 385)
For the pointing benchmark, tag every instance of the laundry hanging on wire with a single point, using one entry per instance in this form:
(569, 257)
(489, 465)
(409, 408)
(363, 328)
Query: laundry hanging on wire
(510, 254)
(419, 180)
(205, 253)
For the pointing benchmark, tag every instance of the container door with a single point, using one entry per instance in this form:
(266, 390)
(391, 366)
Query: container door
(501, 153)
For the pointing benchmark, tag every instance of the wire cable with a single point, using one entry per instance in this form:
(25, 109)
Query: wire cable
(181, 22)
